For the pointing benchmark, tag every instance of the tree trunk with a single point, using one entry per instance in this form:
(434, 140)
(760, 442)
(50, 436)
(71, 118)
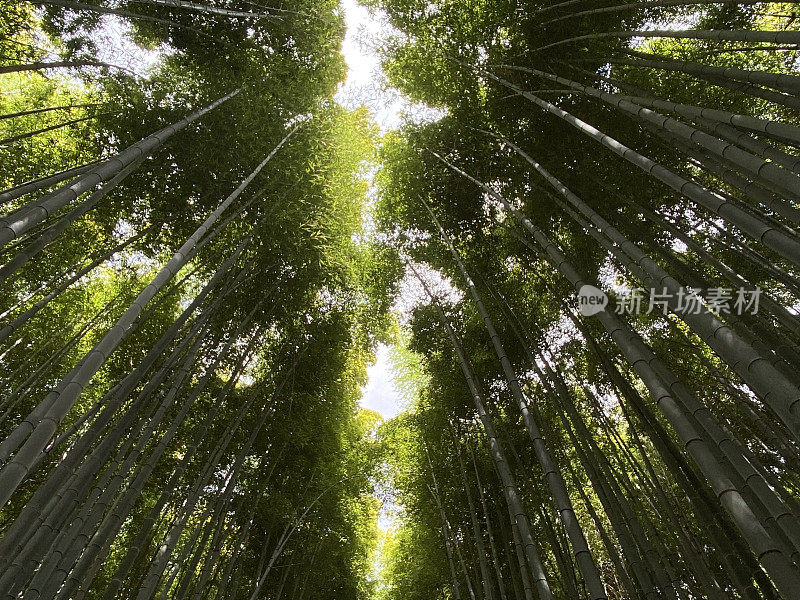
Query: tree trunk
(516, 511)
(19, 221)
(58, 403)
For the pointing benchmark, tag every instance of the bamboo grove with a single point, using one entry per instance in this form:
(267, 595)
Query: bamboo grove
(646, 149)
(187, 310)
(195, 275)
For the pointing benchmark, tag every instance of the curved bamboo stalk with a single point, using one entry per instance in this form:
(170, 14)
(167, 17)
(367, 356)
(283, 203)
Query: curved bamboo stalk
(208, 9)
(67, 547)
(28, 313)
(750, 143)
(28, 134)
(649, 3)
(120, 511)
(552, 475)
(45, 529)
(74, 5)
(782, 82)
(43, 182)
(85, 569)
(47, 495)
(48, 235)
(37, 111)
(787, 182)
(150, 582)
(702, 498)
(643, 5)
(136, 548)
(776, 390)
(725, 35)
(625, 523)
(58, 403)
(777, 130)
(779, 241)
(19, 221)
(519, 518)
(667, 392)
(648, 570)
(756, 91)
(60, 64)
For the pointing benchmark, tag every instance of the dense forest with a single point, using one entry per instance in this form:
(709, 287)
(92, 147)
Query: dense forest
(586, 266)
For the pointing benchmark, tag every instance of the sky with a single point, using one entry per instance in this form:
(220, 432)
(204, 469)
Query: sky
(116, 47)
(366, 82)
(365, 85)
(380, 393)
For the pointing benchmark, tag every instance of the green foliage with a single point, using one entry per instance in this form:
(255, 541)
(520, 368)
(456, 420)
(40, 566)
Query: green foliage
(220, 448)
(601, 431)
(295, 320)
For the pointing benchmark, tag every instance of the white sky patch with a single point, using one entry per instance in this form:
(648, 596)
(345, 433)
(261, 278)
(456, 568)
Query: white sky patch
(114, 46)
(412, 293)
(366, 82)
(380, 394)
